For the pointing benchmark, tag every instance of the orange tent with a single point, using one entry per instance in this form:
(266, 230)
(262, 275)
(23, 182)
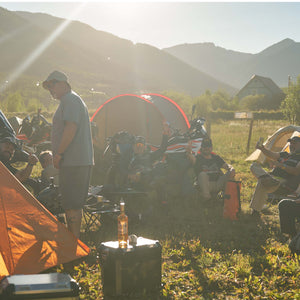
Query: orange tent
(129, 112)
(31, 238)
(171, 111)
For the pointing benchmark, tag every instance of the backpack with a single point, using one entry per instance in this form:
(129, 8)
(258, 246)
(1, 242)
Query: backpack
(232, 200)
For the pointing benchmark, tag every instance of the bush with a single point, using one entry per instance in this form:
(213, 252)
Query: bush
(291, 105)
(14, 103)
(260, 115)
(34, 104)
(255, 102)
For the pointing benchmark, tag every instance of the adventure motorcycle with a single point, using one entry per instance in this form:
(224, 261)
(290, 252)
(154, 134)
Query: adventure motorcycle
(6, 130)
(120, 147)
(172, 168)
(35, 133)
(20, 154)
(178, 142)
(175, 166)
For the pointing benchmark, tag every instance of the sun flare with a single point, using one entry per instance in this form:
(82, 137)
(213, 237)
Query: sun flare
(41, 48)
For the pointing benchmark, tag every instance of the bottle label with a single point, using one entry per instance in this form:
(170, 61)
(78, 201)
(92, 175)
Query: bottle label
(122, 228)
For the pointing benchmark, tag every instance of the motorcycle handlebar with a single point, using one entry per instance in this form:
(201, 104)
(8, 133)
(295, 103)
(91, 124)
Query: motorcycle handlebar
(20, 156)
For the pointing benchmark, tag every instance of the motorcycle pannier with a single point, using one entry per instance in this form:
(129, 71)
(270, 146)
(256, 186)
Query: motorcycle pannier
(135, 270)
(39, 287)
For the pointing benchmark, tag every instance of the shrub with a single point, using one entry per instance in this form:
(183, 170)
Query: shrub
(14, 103)
(34, 104)
(291, 105)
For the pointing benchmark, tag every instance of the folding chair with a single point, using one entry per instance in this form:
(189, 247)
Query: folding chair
(137, 202)
(282, 192)
(216, 196)
(93, 213)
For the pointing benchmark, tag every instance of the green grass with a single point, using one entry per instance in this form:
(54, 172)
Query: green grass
(204, 255)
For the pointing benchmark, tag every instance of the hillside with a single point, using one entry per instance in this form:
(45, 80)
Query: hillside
(235, 68)
(94, 59)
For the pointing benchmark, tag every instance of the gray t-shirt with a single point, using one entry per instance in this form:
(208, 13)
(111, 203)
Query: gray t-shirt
(80, 150)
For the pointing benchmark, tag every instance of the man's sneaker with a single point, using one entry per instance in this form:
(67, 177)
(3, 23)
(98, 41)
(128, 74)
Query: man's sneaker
(269, 181)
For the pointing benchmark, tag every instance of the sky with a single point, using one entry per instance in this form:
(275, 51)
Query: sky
(240, 26)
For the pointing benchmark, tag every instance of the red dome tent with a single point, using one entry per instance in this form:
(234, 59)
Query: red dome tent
(172, 112)
(133, 113)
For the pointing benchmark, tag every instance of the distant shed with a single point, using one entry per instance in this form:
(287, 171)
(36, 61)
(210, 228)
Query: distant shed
(259, 85)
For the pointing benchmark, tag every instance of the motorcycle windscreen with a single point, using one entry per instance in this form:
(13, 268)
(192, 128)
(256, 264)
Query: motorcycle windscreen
(132, 113)
(5, 127)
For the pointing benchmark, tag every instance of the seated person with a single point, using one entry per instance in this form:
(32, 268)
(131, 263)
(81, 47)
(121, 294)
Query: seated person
(285, 173)
(46, 160)
(289, 211)
(7, 149)
(141, 165)
(207, 166)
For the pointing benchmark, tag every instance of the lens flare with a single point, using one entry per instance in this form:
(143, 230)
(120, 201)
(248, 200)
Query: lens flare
(40, 49)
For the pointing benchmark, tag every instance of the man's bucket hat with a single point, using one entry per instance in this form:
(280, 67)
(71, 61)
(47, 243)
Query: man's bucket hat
(55, 76)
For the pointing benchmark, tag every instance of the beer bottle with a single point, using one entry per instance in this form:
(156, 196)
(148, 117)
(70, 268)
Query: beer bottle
(122, 226)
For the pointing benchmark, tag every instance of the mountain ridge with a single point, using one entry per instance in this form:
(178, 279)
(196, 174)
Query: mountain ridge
(105, 62)
(99, 60)
(278, 61)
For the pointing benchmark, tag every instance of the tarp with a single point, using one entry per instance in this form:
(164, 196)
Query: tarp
(31, 238)
(129, 112)
(171, 111)
(276, 142)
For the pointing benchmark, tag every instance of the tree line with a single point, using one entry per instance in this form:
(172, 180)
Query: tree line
(22, 101)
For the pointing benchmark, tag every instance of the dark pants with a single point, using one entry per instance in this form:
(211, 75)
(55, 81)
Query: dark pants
(289, 211)
(74, 185)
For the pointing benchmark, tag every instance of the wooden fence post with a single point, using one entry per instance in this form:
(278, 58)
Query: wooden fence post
(249, 136)
(246, 115)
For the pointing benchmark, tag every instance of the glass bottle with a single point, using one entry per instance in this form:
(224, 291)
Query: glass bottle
(122, 226)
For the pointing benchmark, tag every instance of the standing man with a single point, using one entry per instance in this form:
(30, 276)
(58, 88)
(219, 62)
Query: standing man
(72, 147)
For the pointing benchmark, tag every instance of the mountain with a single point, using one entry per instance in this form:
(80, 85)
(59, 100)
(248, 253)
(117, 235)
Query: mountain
(236, 68)
(93, 59)
(278, 62)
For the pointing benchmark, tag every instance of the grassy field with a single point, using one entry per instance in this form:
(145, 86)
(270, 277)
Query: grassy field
(204, 255)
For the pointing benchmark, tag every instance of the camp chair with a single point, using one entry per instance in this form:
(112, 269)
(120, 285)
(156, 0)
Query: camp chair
(137, 202)
(281, 193)
(217, 196)
(95, 209)
(229, 197)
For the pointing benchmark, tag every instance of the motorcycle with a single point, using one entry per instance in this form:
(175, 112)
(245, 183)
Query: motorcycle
(6, 130)
(178, 141)
(35, 133)
(121, 148)
(176, 165)
(171, 169)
